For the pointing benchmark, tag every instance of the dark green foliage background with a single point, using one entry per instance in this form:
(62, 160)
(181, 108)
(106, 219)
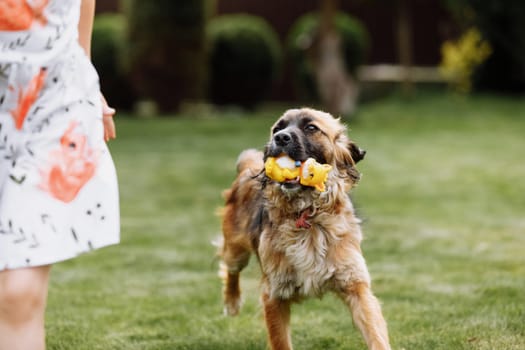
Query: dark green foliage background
(244, 59)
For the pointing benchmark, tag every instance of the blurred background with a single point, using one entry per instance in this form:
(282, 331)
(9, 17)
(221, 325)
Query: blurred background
(161, 55)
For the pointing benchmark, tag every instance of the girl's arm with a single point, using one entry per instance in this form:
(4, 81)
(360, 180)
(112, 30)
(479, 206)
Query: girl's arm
(85, 28)
(85, 24)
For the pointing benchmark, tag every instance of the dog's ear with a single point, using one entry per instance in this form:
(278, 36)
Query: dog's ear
(356, 152)
(347, 154)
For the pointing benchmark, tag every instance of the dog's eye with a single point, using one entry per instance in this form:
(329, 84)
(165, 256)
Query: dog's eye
(311, 127)
(278, 127)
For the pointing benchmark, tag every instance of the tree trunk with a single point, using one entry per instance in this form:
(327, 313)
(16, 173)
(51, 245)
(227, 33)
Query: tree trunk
(337, 89)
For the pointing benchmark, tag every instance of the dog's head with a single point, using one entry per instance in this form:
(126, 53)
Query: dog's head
(304, 133)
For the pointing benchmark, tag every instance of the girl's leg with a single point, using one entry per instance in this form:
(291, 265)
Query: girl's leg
(23, 296)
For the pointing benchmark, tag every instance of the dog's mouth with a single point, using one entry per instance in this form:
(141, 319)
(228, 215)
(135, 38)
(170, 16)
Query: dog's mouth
(291, 186)
(291, 182)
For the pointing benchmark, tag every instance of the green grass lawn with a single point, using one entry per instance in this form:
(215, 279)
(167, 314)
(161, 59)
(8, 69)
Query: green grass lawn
(442, 200)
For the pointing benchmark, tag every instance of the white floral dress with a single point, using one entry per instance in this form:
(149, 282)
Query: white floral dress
(58, 186)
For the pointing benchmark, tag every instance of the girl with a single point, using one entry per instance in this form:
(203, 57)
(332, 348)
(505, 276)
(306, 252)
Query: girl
(58, 187)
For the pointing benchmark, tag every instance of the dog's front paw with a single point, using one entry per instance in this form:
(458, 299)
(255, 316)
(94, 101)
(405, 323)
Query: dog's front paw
(232, 306)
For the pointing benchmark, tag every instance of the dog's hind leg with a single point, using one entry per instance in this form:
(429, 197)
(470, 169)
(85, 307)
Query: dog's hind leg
(234, 259)
(367, 316)
(277, 317)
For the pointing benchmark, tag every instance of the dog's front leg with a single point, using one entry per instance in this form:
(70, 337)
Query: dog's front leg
(234, 259)
(277, 317)
(367, 316)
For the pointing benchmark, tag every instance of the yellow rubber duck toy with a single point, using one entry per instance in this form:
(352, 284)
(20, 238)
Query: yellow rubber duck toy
(314, 174)
(309, 173)
(282, 168)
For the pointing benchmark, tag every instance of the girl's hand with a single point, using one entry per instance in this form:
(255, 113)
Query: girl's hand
(107, 120)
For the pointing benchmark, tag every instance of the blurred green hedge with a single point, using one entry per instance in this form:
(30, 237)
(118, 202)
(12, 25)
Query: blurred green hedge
(244, 56)
(355, 43)
(164, 53)
(106, 47)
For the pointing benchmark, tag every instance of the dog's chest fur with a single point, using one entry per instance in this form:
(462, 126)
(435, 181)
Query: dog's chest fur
(295, 262)
(306, 262)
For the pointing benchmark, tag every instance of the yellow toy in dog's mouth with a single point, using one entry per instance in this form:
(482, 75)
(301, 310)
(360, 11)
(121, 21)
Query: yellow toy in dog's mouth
(308, 173)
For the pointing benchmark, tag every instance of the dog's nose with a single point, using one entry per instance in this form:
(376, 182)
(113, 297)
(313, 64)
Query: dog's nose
(282, 138)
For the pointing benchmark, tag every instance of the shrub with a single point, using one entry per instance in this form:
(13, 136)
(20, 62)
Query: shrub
(355, 43)
(460, 59)
(165, 49)
(244, 59)
(106, 47)
(502, 24)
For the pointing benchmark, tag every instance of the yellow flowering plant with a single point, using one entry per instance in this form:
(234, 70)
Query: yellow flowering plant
(461, 58)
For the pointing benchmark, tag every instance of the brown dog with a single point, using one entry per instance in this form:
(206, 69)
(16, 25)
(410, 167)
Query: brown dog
(307, 242)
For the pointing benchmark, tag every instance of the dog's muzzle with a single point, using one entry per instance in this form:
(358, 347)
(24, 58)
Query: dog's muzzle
(286, 142)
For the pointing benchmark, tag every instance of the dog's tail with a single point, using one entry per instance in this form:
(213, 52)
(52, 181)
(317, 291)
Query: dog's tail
(250, 159)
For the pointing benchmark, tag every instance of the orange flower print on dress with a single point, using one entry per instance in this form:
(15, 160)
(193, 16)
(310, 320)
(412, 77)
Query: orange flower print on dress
(19, 15)
(27, 98)
(72, 166)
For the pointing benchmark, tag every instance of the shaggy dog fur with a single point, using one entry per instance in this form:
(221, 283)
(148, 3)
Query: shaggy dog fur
(307, 242)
